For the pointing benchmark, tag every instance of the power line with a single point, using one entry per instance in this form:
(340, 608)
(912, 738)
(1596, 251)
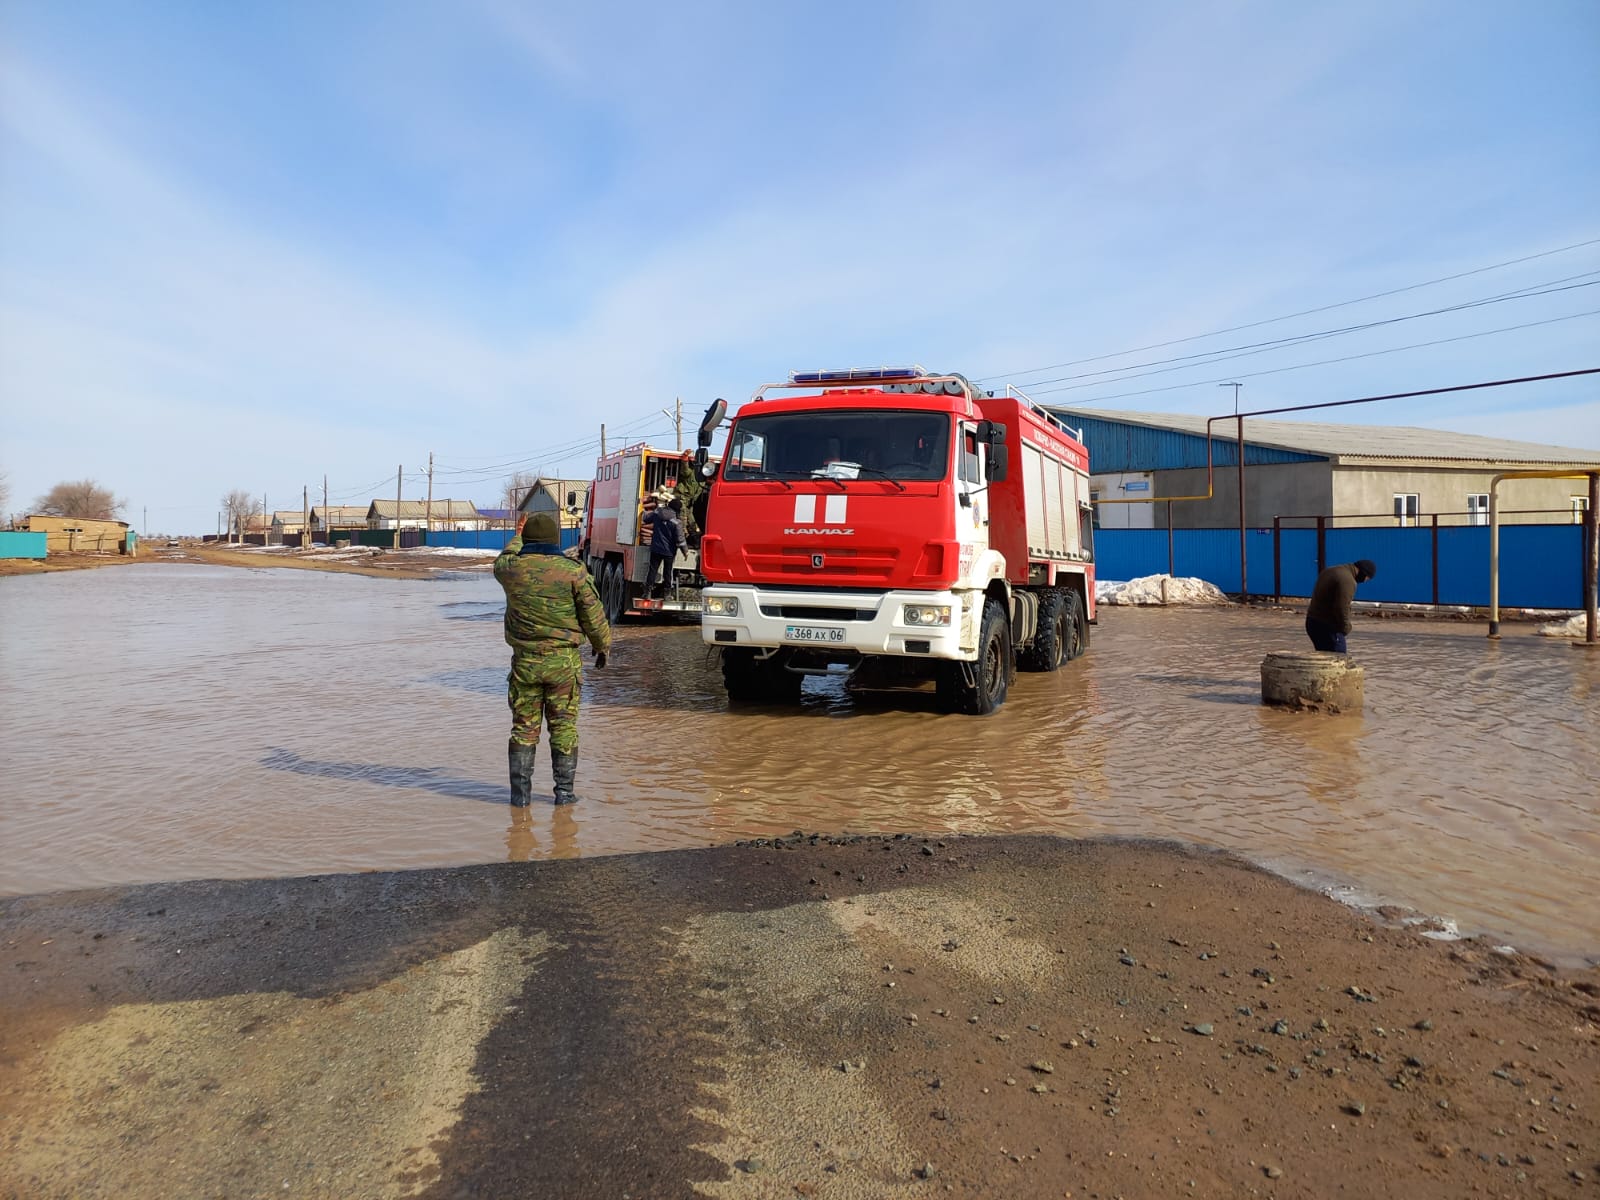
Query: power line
(1327, 361)
(1291, 316)
(1228, 354)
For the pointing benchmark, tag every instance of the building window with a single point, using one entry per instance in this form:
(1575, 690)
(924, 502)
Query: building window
(1580, 505)
(1477, 508)
(1094, 503)
(1405, 508)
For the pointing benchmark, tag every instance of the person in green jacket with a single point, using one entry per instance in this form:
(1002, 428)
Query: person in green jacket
(551, 607)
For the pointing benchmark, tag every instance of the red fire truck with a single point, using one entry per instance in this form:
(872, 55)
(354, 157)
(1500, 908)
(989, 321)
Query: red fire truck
(903, 525)
(628, 483)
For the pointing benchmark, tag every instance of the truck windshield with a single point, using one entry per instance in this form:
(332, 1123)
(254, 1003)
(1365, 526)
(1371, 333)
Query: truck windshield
(840, 445)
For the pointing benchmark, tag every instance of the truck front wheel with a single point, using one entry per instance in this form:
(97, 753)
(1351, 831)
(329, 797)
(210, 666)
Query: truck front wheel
(979, 688)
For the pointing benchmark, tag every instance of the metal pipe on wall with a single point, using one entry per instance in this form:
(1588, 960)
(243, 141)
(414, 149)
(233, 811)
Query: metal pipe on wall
(1494, 540)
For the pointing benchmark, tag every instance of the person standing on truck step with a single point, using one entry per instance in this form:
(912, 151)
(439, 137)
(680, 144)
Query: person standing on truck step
(551, 607)
(1328, 617)
(666, 535)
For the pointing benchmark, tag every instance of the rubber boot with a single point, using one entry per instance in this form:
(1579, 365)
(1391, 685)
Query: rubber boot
(521, 759)
(564, 766)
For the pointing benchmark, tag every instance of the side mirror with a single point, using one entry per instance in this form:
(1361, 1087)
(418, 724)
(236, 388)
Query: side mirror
(709, 423)
(999, 461)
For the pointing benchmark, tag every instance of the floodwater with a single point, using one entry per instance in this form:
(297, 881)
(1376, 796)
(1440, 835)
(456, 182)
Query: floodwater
(163, 722)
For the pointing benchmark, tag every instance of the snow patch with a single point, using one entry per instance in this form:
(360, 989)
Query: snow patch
(1158, 589)
(1575, 626)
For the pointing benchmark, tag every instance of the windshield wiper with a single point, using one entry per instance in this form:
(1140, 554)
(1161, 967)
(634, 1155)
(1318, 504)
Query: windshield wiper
(763, 473)
(884, 475)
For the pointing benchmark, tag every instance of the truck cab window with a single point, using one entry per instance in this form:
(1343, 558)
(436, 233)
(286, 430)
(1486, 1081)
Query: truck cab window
(970, 467)
(842, 445)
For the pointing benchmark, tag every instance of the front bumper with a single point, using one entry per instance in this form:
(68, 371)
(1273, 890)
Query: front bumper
(843, 622)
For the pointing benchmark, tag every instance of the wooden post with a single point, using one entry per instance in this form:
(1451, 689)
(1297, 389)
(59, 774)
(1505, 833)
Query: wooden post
(399, 473)
(1322, 544)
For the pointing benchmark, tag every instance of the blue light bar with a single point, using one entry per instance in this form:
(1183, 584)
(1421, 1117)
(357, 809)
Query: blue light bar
(859, 375)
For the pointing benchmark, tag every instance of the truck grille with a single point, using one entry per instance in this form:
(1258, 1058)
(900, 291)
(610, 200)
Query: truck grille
(856, 565)
(813, 612)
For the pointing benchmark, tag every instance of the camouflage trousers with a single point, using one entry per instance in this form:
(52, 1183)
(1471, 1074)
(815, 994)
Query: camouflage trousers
(544, 686)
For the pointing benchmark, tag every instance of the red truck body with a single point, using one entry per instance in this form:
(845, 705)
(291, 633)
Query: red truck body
(906, 521)
(616, 534)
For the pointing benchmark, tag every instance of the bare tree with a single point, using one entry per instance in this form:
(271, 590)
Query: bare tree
(239, 507)
(516, 487)
(5, 492)
(79, 498)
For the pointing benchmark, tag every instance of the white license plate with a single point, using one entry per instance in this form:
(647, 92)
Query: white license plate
(812, 633)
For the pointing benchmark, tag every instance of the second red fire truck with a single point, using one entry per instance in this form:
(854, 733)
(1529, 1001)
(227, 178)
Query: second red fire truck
(904, 525)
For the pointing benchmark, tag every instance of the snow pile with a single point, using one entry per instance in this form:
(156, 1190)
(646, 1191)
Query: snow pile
(1159, 589)
(1575, 626)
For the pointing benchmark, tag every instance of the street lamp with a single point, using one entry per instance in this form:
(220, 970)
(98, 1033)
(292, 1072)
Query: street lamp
(1235, 387)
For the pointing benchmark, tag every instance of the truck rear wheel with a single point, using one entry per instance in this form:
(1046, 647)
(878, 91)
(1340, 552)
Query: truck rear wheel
(613, 591)
(980, 688)
(752, 680)
(1077, 639)
(1049, 648)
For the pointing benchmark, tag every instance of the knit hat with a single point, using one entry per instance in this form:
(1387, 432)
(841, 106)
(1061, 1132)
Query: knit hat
(1367, 567)
(541, 527)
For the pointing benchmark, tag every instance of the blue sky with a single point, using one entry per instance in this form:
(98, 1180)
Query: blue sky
(247, 246)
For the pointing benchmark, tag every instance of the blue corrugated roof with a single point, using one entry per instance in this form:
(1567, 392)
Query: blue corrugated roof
(1118, 446)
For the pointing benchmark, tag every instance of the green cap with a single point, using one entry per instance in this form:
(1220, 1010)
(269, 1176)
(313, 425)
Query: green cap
(541, 527)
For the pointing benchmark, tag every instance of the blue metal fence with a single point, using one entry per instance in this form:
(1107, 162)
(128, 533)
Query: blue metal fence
(490, 539)
(1541, 566)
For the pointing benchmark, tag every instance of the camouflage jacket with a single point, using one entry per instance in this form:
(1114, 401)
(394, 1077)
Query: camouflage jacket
(549, 601)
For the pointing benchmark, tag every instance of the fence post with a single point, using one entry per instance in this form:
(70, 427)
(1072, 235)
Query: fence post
(1277, 560)
(1171, 556)
(1322, 544)
(1436, 560)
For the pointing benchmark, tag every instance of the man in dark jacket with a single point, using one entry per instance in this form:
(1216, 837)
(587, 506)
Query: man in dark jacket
(666, 535)
(551, 607)
(1328, 618)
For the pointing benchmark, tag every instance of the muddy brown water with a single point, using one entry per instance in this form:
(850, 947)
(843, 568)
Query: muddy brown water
(169, 722)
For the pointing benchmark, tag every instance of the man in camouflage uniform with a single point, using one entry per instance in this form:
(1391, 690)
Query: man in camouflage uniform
(550, 608)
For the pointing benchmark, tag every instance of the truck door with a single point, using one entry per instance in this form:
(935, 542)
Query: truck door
(972, 497)
(628, 501)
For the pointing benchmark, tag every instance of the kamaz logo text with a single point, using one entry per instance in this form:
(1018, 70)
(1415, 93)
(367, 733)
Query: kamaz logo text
(834, 511)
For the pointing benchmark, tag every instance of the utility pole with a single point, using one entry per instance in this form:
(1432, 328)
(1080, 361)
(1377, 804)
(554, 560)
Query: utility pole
(430, 494)
(145, 528)
(263, 518)
(326, 536)
(399, 473)
(305, 516)
(677, 419)
(1235, 387)
(602, 439)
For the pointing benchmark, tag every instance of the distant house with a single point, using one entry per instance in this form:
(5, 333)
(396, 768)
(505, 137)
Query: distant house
(338, 516)
(419, 514)
(286, 521)
(68, 534)
(497, 518)
(565, 497)
(1352, 474)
